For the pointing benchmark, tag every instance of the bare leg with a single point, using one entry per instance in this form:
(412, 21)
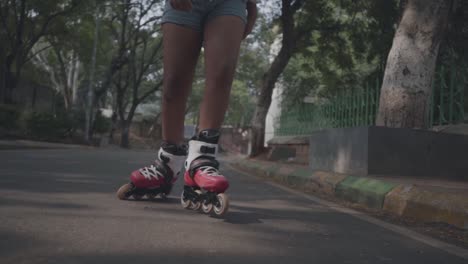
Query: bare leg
(181, 48)
(223, 36)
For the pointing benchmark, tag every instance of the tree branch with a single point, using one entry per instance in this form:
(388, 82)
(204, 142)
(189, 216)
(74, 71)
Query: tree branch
(151, 91)
(35, 53)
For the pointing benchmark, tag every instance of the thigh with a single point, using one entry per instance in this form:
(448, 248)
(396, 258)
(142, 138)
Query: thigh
(222, 38)
(181, 48)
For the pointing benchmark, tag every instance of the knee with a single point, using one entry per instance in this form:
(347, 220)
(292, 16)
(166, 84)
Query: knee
(223, 74)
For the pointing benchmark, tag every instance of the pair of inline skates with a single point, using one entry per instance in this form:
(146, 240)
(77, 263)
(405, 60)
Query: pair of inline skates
(204, 187)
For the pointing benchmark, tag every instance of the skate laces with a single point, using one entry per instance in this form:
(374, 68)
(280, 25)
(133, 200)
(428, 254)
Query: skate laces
(210, 171)
(151, 172)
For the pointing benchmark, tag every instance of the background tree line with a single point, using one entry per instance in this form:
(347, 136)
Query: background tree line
(96, 54)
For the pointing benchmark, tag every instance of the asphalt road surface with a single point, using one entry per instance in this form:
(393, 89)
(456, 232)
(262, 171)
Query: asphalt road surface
(59, 206)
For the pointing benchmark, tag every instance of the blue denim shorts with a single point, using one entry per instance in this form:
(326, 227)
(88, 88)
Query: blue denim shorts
(203, 11)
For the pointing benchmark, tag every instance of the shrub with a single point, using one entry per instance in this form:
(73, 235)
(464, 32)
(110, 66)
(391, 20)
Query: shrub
(101, 124)
(44, 125)
(9, 115)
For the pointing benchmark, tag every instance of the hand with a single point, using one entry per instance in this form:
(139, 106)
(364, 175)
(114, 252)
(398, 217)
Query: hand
(182, 5)
(251, 17)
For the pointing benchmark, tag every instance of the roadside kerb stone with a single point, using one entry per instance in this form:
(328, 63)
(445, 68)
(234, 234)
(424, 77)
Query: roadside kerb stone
(428, 206)
(402, 200)
(301, 178)
(369, 192)
(327, 181)
(396, 200)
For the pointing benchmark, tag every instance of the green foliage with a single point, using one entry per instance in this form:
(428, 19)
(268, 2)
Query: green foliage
(346, 47)
(9, 115)
(102, 124)
(46, 126)
(241, 105)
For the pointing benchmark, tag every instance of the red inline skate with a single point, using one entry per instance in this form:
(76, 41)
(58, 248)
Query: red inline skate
(204, 186)
(157, 179)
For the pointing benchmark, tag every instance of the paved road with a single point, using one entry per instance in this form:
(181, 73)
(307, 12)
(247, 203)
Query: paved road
(59, 206)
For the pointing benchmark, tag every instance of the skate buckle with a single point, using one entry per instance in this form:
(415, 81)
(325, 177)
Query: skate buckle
(208, 150)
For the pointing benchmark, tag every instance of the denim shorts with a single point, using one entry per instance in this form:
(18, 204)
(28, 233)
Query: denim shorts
(203, 11)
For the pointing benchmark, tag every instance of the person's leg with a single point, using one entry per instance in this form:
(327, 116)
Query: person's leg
(222, 39)
(223, 33)
(181, 48)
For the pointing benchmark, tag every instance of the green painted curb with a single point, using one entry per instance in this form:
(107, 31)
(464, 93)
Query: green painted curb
(365, 191)
(298, 177)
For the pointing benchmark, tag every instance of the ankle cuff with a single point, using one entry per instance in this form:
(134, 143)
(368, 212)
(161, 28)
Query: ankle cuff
(174, 162)
(200, 149)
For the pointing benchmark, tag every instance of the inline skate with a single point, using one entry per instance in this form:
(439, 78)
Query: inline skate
(204, 186)
(157, 179)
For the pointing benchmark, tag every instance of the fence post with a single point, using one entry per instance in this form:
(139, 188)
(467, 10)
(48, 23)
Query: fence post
(377, 100)
(441, 99)
(462, 97)
(367, 104)
(451, 84)
(431, 109)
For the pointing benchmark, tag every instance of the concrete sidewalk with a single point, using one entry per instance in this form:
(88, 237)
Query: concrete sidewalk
(422, 200)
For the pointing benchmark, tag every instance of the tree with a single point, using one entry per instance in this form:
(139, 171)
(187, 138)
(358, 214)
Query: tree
(141, 76)
(406, 88)
(337, 60)
(290, 36)
(297, 21)
(23, 24)
(65, 70)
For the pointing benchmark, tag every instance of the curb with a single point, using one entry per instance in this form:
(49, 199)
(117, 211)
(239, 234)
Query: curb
(402, 200)
(369, 192)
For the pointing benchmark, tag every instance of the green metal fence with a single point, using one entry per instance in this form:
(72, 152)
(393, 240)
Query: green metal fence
(448, 97)
(359, 107)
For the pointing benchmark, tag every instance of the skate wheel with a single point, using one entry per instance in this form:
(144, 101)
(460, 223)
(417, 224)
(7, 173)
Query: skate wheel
(123, 191)
(221, 208)
(197, 205)
(207, 208)
(186, 203)
(137, 197)
(151, 196)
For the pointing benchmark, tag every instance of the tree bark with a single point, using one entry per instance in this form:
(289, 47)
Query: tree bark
(9, 81)
(264, 99)
(125, 134)
(407, 84)
(288, 48)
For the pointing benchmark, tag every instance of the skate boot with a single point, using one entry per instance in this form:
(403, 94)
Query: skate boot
(204, 187)
(158, 178)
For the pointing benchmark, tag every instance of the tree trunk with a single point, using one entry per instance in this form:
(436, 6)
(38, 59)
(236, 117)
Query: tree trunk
(264, 99)
(125, 134)
(288, 48)
(2, 83)
(407, 84)
(113, 126)
(8, 82)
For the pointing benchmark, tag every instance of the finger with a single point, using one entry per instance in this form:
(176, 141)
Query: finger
(248, 30)
(175, 4)
(186, 5)
(251, 18)
(190, 5)
(252, 12)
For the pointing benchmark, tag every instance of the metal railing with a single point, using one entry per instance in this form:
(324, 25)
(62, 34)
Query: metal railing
(359, 107)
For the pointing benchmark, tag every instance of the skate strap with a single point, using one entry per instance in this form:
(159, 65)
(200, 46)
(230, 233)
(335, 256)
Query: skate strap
(202, 162)
(208, 150)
